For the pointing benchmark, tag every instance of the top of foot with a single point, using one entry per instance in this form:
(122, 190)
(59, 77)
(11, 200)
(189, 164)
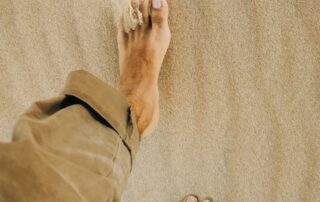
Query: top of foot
(141, 53)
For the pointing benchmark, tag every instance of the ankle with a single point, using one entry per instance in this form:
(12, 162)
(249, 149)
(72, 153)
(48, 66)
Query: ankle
(145, 104)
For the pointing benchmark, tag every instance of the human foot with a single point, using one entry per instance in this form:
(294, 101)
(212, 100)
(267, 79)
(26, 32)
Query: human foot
(194, 198)
(190, 198)
(141, 53)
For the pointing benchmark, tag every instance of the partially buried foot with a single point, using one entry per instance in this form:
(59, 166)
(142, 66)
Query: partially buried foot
(194, 198)
(141, 52)
(190, 198)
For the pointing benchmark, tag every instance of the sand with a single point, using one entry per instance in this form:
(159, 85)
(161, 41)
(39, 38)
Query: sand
(132, 18)
(240, 91)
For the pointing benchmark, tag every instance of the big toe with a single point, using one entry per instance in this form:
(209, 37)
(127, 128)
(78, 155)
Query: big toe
(160, 12)
(191, 198)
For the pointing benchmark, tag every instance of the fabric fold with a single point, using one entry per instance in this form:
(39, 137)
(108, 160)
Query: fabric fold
(108, 102)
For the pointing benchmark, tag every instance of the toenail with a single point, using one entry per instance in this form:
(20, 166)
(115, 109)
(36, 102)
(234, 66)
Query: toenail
(156, 4)
(191, 198)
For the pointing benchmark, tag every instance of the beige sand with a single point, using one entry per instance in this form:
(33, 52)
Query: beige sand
(240, 91)
(132, 18)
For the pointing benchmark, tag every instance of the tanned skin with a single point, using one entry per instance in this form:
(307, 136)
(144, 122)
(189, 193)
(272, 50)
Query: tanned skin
(141, 53)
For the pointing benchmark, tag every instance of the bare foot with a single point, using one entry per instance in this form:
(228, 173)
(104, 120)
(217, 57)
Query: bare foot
(141, 53)
(194, 198)
(190, 198)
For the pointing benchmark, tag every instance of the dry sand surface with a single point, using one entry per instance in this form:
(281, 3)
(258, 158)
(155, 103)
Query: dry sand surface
(240, 91)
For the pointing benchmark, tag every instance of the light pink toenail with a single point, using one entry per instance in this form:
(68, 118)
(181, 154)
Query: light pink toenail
(156, 4)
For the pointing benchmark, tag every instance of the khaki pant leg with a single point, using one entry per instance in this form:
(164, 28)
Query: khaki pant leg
(78, 146)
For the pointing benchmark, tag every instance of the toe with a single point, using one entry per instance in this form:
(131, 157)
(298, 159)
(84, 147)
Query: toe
(160, 12)
(122, 36)
(119, 23)
(191, 198)
(145, 10)
(208, 199)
